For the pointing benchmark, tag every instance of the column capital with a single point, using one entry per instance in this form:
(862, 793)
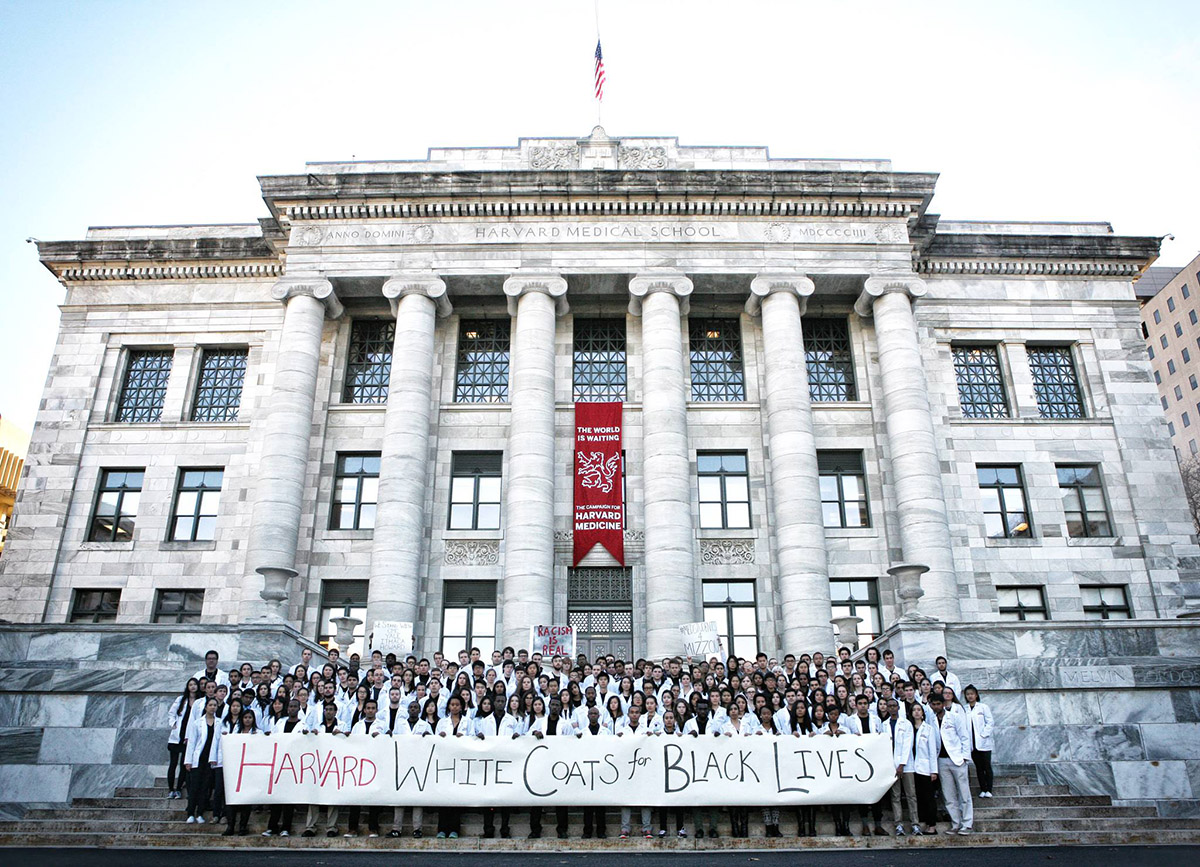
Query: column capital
(548, 283)
(764, 284)
(879, 285)
(313, 287)
(675, 282)
(424, 283)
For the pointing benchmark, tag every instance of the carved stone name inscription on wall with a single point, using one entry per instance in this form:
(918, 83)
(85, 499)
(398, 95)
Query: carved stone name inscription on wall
(472, 553)
(726, 552)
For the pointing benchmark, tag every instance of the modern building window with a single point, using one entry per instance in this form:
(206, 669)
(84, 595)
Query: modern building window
(598, 367)
(369, 362)
(475, 490)
(145, 387)
(1192, 316)
(1157, 378)
(116, 505)
(1171, 367)
(1163, 401)
(178, 606)
(196, 503)
(219, 387)
(1105, 602)
(1178, 330)
(1187, 422)
(1192, 446)
(724, 490)
(829, 360)
(482, 372)
(980, 382)
(843, 489)
(1145, 332)
(95, 606)
(730, 604)
(1150, 351)
(1171, 304)
(1163, 341)
(468, 617)
(1171, 428)
(716, 360)
(857, 597)
(1083, 500)
(1178, 393)
(1193, 382)
(355, 492)
(1005, 514)
(1157, 318)
(342, 599)
(1055, 383)
(1022, 603)
(1186, 292)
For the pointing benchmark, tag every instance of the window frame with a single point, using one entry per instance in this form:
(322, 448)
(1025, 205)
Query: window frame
(871, 603)
(725, 627)
(97, 614)
(359, 502)
(836, 370)
(192, 615)
(1020, 609)
(838, 474)
(372, 379)
(229, 412)
(348, 607)
(476, 477)
(725, 502)
(1083, 509)
(451, 602)
(1066, 351)
(602, 388)
(142, 412)
(196, 514)
(981, 398)
(716, 363)
(103, 488)
(470, 385)
(1103, 608)
(1002, 499)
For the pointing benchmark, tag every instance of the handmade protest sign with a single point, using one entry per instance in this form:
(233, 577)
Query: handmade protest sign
(392, 636)
(700, 640)
(552, 641)
(650, 770)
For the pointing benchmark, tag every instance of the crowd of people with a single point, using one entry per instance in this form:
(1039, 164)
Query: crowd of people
(937, 727)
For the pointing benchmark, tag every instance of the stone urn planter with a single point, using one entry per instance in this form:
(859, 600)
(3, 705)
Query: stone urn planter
(847, 631)
(275, 590)
(345, 626)
(908, 586)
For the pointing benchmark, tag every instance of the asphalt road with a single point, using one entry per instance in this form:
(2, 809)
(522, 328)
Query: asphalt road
(1043, 856)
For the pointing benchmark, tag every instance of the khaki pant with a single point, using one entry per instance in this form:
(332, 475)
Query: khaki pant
(907, 782)
(314, 813)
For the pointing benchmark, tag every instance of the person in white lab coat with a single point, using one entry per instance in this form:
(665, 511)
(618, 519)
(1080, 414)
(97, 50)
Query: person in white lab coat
(455, 724)
(368, 726)
(953, 728)
(204, 734)
(901, 732)
(179, 719)
(237, 816)
(593, 817)
(926, 745)
(982, 740)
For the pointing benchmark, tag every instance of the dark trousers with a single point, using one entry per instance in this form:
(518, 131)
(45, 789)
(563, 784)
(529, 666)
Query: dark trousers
(876, 811)
(560, 821)
(237, 818)
(199, 788)
(739, 821)
(664, 817)
(841, 819)
(593, 821)
(449, 820)
(983, 767)
(218, 789)
(926, 800)
(489, 821)
(176, 753)
(281, 818)
(372, 819)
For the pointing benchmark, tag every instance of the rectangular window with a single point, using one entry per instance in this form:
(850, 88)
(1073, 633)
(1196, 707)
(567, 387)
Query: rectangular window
(482, 372)
(219, 386)
(730, 604)
(1170, 427)
(1178, 393)
(475, 490)
(1170, 367)
(342, 599)
(1005, 515)
(196, 503)
(724, 491)
(1192, 316)
(716, 360)
(1192, 446)
(1157, 378)
(980, 382)
(1145, 332)
(843, 489)
(1186, 420)
(1105, 602)
(1193, 382)
(369, 361)
(1178, 330)
(468, 617)
(598, 367)
(1186, 293)
(1083, 501)
(1171, 304)
(1157, 317)
(116, 505)
(145, 387)
(178, 606)
(1163, 341)
(857, 597)
(355, 492)
(1150, 350)
(95, 606)
(1022, 603)
(828, 360)
(1163, 401)
(1187, 356)
(1054, 382)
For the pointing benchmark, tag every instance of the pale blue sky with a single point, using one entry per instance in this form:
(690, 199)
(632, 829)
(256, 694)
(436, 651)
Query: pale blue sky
(120, 113)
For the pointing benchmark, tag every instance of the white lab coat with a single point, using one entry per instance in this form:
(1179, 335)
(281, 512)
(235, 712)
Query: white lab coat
(902, 744)
(197, 735)
(742, 729)
(175, 718)
(955, 735)
(626, 729)
(423, 728)
(926, 746)
(374, 727)
(692, 727)
(586, 731)
(950, 679)
(221, 677)
(446, 726)
(983, 726)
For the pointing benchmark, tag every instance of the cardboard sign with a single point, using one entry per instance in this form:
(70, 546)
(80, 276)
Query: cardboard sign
(552, 641)
(649, 770)
(392, 636)
(701, 640)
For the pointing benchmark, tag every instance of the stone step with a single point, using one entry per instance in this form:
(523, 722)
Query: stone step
(1035, 802)
(1010, 791)
(987, 812)
(1001, 826)
(552, 844)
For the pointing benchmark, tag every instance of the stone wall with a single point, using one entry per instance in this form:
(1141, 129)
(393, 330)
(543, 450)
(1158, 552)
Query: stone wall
(1108, 708)
(84, 709)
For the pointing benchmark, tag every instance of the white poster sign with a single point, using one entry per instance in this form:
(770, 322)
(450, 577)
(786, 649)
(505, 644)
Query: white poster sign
(700, 640)
(392, 636)
(645, 770)
(552, 641)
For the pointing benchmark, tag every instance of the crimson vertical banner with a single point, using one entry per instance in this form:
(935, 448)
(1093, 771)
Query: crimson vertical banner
(598, 488)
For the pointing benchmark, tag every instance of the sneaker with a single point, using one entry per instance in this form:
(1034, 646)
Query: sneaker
(268, 833)
(418, 834)
(285, 833)
(681, 833)
(199, 820)
(393, 833)
(899, 830)
(349, 834)
(191, 820)
(441, 835)
(916, 830)
(662, 832)
(309, 832)
(964, 832)
(624, 835)
(647, 835)
(985, 794)
(453, 835)
(373, 834)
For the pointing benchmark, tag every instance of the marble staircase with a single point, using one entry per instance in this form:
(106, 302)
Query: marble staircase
(1020, 813)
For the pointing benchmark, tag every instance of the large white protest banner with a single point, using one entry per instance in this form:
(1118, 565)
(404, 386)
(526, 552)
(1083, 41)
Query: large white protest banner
(646, 770)
(700, 640)
(552, 641)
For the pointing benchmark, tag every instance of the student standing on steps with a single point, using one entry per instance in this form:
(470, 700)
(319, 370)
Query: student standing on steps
(982, 743)
(593, 817)
(953, 728)
(281, 816)
(238, 817)
(901, 732)
(180, 720)
(203, 736)
(369, 726)
(328, 725)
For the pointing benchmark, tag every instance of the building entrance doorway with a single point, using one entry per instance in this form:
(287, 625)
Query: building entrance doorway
(600, 609)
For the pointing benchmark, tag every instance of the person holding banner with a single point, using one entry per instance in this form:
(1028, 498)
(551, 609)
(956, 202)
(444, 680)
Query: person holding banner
(369, 726)
(841, 812)
(770, 815)
(593, 817)
(455, 724)
(735, 726)
(633, 727)
(238, 818)
(328, 725)
(492, 722)
(901, 731)
(409, 728)
(280, 819)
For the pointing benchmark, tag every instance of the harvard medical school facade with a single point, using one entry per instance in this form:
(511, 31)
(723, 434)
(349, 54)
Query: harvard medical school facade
(834, 404)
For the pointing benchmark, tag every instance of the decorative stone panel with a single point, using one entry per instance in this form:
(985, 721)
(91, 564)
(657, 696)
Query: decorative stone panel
(726, 552)
(472, 553)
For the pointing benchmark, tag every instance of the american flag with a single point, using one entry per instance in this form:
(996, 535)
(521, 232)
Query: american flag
(599, 73)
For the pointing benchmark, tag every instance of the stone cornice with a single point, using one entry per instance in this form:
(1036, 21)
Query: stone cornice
(1107, 256)
(1031, 268)
(877, 286)
(218, 258)
(219, 271)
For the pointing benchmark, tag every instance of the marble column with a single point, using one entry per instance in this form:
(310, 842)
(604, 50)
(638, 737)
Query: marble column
(916, 467)
(671, 589)
(283, 461)
(536, 300)
(400, 515)
(795, 482)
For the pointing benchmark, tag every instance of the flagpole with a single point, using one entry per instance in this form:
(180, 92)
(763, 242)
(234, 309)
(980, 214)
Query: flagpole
(599, 102)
